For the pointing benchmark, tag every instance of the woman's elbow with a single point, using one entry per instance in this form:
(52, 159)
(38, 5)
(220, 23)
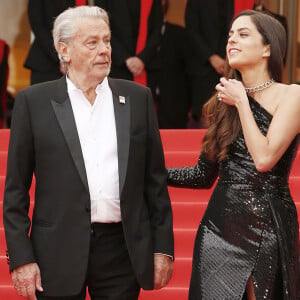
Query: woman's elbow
(264, 164)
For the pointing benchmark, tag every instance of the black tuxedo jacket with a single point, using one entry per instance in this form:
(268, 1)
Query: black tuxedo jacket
(123, 40)
(42, 55)
(44, 142)
(168, 74)
(207, 28)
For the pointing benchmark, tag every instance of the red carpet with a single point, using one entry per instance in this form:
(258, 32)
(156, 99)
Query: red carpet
(181, 147)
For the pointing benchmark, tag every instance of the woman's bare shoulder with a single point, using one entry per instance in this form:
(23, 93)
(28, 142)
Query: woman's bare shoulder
(289, 92)
(288, 98)
(289, 103)
(293, 88)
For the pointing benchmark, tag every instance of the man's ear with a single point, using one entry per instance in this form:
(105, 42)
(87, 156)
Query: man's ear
(267, 51)
(63, 50)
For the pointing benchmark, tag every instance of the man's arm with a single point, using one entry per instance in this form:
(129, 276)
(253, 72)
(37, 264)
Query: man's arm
(41, 32)
(158, 201)
(25, 272)
(16, 201)
(155, 21)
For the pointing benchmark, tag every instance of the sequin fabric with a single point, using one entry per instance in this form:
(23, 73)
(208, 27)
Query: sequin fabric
(250, 226)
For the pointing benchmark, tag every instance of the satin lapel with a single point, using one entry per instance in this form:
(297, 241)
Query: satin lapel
(65, 118)
(122, 116)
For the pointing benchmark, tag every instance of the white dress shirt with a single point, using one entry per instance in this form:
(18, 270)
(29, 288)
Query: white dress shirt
(98, 138)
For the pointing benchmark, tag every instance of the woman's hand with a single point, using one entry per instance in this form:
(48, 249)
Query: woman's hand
(231, 91)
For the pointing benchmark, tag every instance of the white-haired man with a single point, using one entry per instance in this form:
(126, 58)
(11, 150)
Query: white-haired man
(102, 216)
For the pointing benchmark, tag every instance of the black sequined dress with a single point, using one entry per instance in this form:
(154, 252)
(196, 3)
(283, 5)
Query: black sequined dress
(250, 226)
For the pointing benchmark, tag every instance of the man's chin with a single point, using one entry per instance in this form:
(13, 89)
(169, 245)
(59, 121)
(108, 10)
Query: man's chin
(103, 68)
(99, 75)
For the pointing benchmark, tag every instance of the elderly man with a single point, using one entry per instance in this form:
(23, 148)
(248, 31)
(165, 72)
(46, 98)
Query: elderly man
(102, 216)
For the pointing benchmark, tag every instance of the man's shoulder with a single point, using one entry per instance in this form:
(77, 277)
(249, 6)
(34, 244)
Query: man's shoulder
(44, 92)
(43, 86)
(123, 85)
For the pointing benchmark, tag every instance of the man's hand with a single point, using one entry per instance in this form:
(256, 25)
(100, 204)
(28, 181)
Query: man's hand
(26, 280)
(135, 65)
(163, 269)
(218, 63)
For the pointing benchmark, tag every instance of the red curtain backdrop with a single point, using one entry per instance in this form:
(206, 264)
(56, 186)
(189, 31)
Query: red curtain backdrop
(80, 2)
(240, 5)
(2, 47)
(4, 51)
(142, 37)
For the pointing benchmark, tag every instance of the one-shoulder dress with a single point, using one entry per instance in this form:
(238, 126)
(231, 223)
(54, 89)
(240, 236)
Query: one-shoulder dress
(250, 226)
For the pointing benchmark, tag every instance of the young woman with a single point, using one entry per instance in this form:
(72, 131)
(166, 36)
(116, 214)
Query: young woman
(246, 244)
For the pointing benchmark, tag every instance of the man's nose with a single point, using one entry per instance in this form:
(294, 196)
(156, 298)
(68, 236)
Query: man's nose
(103, 47)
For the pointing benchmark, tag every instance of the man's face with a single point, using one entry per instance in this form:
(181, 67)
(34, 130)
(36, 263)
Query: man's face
(89, 51)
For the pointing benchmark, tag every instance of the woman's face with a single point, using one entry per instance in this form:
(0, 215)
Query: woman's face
(245, 47)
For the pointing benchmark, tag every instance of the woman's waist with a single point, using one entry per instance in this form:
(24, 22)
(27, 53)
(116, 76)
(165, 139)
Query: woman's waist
(256, 199)
(263, 192)
(261, 180)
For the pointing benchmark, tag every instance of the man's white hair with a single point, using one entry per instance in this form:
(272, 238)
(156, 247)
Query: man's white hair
(64, 28)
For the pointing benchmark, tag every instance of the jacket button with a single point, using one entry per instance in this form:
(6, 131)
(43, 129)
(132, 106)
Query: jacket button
(87, 209)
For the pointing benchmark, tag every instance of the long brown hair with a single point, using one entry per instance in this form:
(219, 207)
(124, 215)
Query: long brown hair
(223, 120)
